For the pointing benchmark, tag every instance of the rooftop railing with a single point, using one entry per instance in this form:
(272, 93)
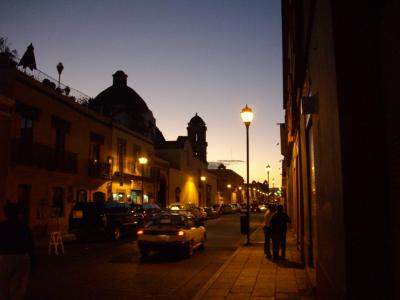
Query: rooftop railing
(53, 83)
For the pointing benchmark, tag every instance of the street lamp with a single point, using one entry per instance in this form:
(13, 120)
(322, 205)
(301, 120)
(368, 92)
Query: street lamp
(60, 68)
(229, 186)
(268, 169)
(247, 117)
(202, 193)
(143, 161)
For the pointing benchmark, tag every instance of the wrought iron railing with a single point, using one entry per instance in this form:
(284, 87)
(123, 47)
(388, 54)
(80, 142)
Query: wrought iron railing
(34, 154)
(99, 169)
(53, 83)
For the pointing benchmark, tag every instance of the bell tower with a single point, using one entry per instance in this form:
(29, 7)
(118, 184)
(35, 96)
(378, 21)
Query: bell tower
(197, 136)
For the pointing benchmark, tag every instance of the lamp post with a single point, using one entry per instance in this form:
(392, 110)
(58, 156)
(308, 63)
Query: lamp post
(60, 68)
(268, 167)
(203, 196)
(143, 161)
(247, 117)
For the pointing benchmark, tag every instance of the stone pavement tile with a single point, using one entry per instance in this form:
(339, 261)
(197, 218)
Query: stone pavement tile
(264, 292)
(239, 296)
(287, 296)
(217, 292)
(261, 298)
(241, 289)
(244, 282)
(223, 280)
(266, 285)
(287, 286)
(228, 276)
(207, 298)
(219, 285)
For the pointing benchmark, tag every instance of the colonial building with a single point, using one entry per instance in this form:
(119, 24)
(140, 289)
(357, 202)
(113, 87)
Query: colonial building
(341, 144)
(190, 179)
(230, 185)
(58, 152)
(59, 147)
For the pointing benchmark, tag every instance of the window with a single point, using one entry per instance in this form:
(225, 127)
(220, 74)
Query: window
(121, 151)
(81, 196)
(96, 141)
(60, 140)
(96, 153)
(26, 128)
(57, 205)
(62, 127)
(28, 115)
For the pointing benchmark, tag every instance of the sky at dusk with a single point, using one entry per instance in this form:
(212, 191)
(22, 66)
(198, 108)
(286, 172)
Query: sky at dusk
(181, 56)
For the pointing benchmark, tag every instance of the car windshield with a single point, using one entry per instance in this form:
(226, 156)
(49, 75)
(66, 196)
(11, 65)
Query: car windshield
(167, 221)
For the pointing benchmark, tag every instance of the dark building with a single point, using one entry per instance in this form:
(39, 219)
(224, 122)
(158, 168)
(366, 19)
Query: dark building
(197, 136)
(340, 143)
(124, 105)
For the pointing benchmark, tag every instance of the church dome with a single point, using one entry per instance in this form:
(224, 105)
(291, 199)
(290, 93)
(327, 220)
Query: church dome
(124, 105)
(119, 94)
(196, 120)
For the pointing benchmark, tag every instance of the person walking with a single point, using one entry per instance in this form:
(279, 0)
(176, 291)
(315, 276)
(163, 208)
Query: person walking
(16, 255)
(267, 229)
(278, 227)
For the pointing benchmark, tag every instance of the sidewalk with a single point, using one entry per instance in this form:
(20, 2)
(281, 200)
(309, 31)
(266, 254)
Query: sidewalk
(249, 275)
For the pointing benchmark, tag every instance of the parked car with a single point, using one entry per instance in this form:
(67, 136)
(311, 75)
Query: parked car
(203, 213)
(171, 230)
(211, 212)
(235, 207)
(263, 208)
(150, 210)
(255, 208)
(225, 209)
(111, 219)
(185, 207)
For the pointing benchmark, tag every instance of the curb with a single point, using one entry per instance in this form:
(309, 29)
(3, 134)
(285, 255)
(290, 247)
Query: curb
(205, 287)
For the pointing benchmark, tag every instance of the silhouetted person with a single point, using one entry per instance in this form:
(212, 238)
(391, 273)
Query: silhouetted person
(267, 229)
(278, 232)
(16, 255)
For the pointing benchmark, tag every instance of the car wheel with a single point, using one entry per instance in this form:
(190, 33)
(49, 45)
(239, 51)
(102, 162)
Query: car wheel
(189, 249)
(203, 242)
(116, 234)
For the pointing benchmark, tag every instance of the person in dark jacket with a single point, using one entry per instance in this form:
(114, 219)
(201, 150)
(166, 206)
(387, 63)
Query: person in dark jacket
(278, 226)
(16, 254)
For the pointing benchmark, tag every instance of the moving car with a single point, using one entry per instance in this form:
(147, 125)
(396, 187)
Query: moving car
(111, 219)
(171, 230)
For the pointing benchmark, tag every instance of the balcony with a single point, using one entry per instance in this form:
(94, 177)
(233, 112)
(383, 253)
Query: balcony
(99, 170)
(37, 155)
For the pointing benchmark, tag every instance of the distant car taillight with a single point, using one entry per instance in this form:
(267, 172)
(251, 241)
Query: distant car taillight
(180, 233)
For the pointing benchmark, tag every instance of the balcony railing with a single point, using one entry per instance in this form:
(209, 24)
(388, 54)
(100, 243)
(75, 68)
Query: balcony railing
(37, 155)
(99, 170)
